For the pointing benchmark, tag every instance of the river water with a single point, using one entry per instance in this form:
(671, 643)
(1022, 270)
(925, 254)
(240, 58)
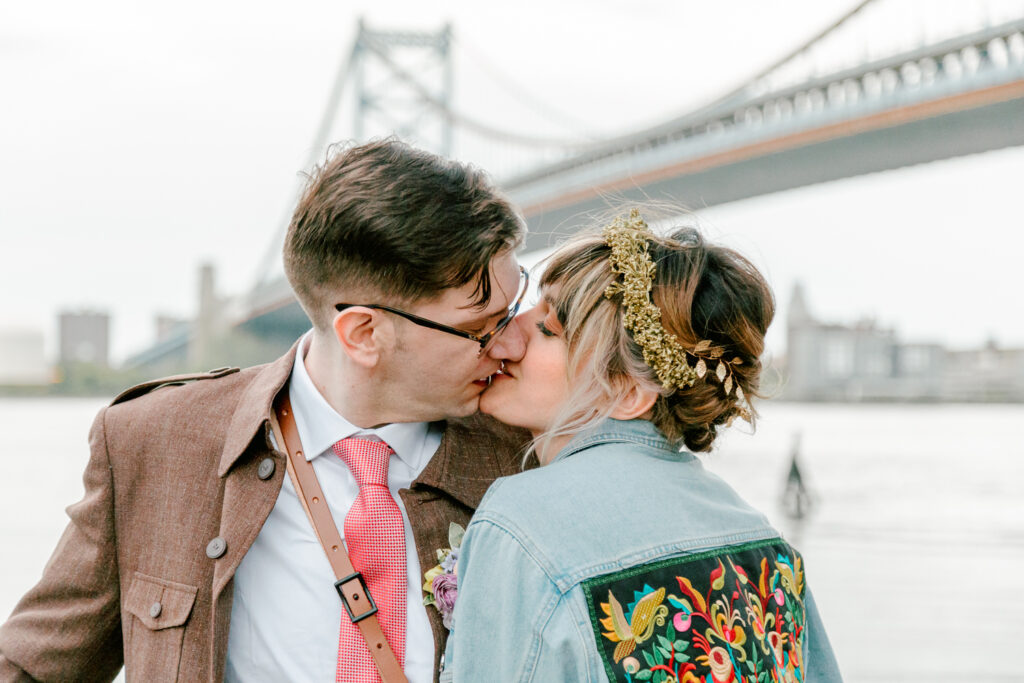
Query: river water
(913, 545)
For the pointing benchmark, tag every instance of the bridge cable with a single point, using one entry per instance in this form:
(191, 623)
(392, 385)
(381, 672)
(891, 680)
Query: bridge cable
(319, 142)
(806, 45)
(809, 43)
(470, 123)
(520, 92)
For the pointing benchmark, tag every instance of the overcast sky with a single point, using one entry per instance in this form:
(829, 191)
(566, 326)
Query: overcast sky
(140, 141)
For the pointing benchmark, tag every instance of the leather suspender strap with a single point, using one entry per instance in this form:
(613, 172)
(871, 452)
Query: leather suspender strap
(350, 585)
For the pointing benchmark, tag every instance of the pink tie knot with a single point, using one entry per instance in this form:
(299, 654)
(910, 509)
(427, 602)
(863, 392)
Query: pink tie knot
(367, 460)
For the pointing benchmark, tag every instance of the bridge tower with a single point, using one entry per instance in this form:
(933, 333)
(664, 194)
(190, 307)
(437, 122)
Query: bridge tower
(403, 84)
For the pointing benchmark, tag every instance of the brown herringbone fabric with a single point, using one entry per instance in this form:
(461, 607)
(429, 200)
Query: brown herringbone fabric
(170, 470)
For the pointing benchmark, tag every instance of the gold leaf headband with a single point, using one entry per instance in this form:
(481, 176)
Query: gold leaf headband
(628, 240)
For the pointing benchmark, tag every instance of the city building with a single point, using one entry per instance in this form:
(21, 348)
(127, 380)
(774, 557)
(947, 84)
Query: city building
(22, 362)
(84, 338)
(865, 362)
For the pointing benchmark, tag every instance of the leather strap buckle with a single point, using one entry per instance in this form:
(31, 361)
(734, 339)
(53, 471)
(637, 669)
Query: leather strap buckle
(308, 489)
(338, 585)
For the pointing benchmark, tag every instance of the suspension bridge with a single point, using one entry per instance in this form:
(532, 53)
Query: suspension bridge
(838, 105)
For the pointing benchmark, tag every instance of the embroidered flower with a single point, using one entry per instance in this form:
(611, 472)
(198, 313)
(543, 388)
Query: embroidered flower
(681, 621)
(721, 666)
(441, 582)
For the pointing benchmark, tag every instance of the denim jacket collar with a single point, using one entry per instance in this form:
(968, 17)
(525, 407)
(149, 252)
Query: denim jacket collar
(642, 432)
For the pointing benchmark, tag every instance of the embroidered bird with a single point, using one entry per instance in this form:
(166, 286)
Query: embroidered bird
(638, 628)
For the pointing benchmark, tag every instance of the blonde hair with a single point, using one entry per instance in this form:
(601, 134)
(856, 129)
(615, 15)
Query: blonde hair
(704, 292)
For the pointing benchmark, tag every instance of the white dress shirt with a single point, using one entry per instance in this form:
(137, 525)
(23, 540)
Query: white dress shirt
(286, 613)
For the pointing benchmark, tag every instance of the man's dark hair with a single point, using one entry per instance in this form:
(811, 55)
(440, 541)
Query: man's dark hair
(389, 217)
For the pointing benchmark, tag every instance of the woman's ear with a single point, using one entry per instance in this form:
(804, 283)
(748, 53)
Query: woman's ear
(362, 333)
(636, 403)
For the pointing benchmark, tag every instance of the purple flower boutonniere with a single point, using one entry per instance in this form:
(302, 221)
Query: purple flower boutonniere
(441, 583)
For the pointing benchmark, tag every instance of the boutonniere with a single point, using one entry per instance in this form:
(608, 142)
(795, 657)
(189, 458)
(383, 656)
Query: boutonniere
(441, 584)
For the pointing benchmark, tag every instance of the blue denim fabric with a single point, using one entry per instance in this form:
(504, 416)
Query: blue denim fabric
(616, 497)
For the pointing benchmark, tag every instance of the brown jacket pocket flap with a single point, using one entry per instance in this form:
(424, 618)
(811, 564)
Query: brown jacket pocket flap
(159, 603)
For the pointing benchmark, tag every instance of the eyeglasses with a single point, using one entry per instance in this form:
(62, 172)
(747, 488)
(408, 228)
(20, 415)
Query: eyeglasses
(486, 341)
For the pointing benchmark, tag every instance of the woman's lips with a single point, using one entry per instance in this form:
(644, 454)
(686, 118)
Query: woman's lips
(486, 381)
(501, 373)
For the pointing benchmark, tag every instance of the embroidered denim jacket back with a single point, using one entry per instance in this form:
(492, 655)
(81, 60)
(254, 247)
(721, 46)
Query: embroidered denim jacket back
(548, 549)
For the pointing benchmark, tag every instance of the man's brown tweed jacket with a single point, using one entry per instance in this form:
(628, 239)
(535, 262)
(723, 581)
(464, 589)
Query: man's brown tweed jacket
(171, 469)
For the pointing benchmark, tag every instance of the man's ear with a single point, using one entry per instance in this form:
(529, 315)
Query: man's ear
(363, 334)
(637, 403)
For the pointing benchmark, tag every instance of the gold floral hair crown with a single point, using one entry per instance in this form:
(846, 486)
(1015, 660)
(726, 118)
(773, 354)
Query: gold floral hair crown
(628, 239)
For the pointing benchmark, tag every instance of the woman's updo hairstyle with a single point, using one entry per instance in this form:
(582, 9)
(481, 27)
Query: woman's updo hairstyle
(703, 291)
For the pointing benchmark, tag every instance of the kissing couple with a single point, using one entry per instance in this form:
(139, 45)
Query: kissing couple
(451, 476)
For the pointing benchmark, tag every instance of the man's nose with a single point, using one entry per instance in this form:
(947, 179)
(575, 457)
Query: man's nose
(511, 342)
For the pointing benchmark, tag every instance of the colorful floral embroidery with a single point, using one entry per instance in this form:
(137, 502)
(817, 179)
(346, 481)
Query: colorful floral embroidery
(733, 614)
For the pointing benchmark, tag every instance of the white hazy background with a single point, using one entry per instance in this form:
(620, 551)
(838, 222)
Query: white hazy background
(141, 139)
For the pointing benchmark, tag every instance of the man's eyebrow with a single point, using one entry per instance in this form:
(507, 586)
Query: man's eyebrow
(484, 317)
(481, 319)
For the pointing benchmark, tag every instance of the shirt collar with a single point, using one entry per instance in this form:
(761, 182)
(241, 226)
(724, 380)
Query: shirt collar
(320, 425)
(610, 430)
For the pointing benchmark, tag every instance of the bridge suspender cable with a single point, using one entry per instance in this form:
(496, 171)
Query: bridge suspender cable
(810, 42)
(471, 123)
(740, 92)
(319, 142)
(521, 93)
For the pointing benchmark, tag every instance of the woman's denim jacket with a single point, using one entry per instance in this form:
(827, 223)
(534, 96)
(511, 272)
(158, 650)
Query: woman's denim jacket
(625, 559)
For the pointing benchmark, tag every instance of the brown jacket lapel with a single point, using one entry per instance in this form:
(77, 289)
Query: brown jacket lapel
(247, 500)
(474, 451)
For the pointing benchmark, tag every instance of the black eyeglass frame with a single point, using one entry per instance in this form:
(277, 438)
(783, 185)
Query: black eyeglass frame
(484, 340)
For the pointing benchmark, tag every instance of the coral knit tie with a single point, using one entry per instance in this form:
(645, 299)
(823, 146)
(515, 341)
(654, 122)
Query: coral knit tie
(375, 538)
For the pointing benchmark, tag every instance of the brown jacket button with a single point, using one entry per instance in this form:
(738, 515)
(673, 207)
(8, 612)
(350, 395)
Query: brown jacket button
(216, 548)
(155, 610)
(266, 469)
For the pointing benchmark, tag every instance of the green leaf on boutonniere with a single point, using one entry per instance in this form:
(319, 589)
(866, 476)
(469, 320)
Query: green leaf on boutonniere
(455, 534)
(429, 599)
